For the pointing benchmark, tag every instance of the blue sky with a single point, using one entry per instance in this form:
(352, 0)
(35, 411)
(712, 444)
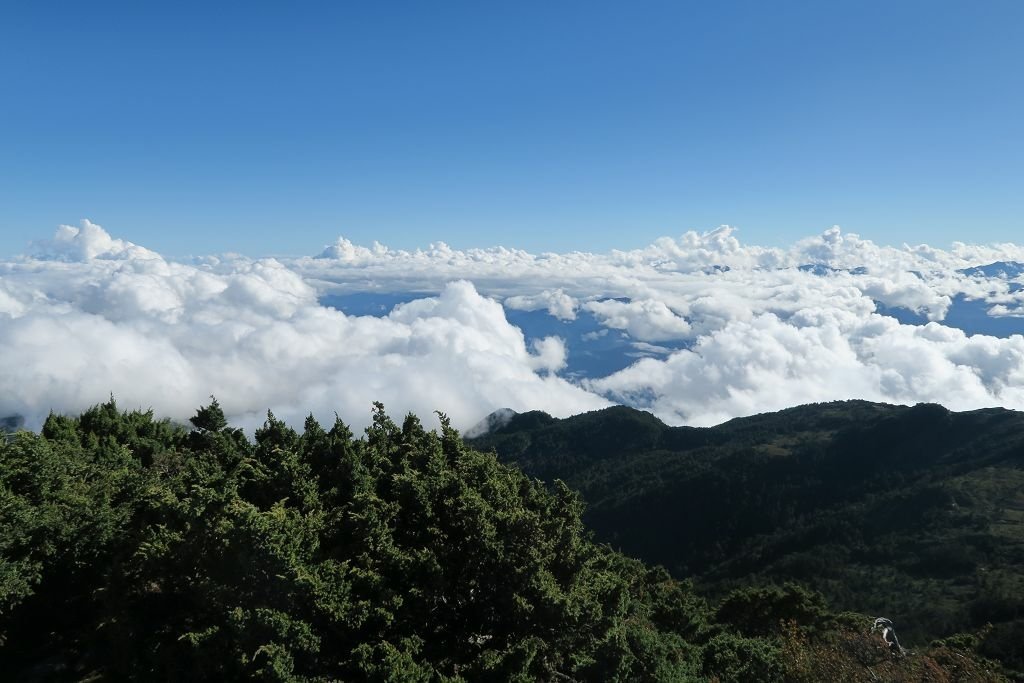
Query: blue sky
(272, 128)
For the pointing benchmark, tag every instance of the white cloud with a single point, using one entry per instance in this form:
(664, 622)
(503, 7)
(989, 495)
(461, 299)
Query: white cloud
(767, 364)
(556, 302)
(169, 335)
(90, 314)
(88, 242)
(646, 320)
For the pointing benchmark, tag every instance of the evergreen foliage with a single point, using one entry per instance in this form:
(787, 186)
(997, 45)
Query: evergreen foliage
(135, 549)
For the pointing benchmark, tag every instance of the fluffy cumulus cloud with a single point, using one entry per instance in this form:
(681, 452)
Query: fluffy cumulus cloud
(713, 328)
(111, 317)
(768, 364)
(89, 241)
(647, 320)
(556, 302)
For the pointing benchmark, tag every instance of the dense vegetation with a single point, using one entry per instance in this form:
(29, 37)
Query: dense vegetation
(132, 548)
(915, 513)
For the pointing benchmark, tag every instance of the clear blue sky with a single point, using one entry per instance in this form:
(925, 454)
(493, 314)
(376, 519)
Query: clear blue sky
(271, 128)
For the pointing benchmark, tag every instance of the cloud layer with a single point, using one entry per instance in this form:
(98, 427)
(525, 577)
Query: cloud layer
(730, 329)
(110, 317)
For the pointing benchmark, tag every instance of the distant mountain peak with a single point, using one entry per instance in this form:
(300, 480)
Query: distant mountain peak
(823, 270)
(1000, 269)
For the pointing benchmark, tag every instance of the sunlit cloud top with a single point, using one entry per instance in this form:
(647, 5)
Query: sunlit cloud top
(697, 329)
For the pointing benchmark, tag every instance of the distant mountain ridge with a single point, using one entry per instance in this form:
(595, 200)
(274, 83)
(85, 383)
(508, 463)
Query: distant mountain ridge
(1000, 269)
(911, 511)
(11, 423)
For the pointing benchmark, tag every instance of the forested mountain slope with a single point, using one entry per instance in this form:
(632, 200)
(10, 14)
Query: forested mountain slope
(135, 549)
(916, 512)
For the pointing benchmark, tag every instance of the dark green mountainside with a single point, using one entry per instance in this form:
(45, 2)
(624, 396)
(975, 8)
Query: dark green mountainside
(914, 513)
(135, 549)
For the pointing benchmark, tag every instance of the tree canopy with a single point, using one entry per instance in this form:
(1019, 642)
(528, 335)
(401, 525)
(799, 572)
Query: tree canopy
(134, 548)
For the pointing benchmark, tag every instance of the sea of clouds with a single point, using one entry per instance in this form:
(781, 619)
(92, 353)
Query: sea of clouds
(711, 328)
